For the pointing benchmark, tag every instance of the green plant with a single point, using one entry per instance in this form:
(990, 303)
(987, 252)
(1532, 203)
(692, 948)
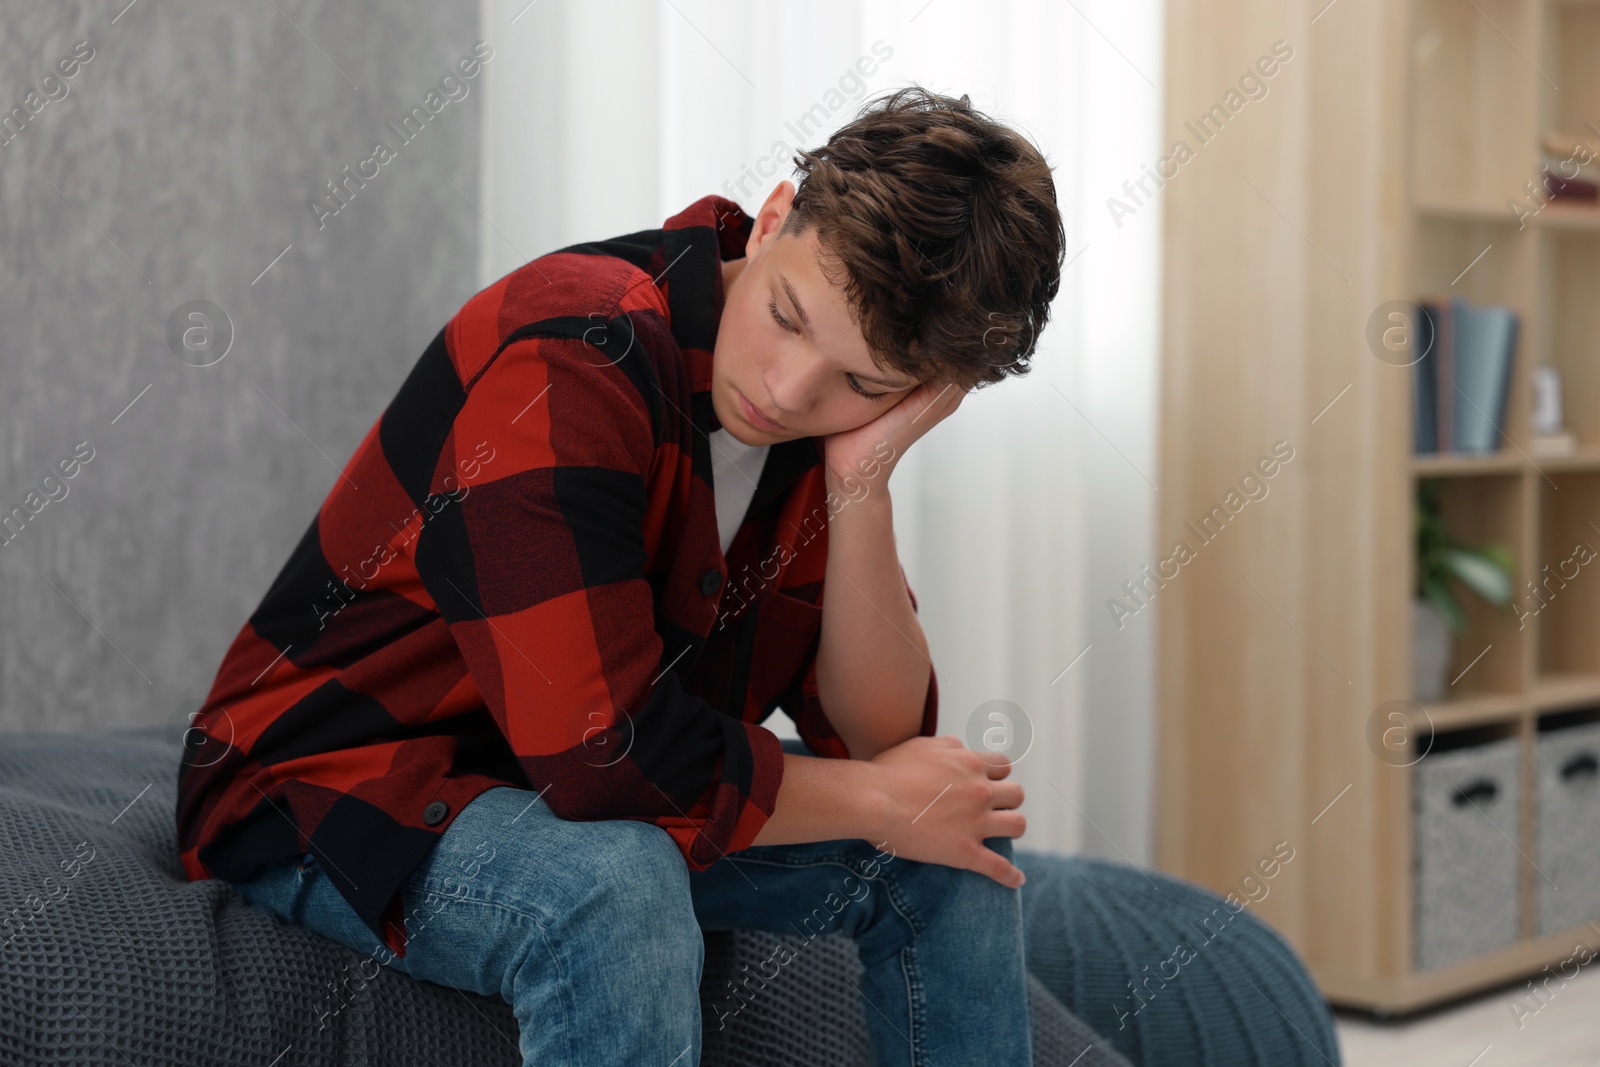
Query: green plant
(1485, 568)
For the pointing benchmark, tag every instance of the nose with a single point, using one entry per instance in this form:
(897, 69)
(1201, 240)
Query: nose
(793, 383)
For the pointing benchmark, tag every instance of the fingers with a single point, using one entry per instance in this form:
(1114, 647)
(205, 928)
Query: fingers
(996, 866)
(1007, 823)
(944, 397)
(999, 763)
(1007, 795)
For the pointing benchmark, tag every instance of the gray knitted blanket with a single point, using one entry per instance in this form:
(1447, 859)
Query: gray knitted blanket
(109, 956)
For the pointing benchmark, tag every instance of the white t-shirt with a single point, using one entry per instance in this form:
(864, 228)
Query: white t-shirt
(735, 472)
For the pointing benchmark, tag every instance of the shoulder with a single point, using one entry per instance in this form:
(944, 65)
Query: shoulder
(566, 344)
(566, 293)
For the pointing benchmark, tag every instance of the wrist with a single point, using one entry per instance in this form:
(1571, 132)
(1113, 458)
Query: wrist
(857, 489)
(823, 799)
(863, 477)
(871, 786)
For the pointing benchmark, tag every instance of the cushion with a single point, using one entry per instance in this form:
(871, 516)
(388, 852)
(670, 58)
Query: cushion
(1217, 987)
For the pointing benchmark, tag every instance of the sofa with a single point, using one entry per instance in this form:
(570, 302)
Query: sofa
(108, 955)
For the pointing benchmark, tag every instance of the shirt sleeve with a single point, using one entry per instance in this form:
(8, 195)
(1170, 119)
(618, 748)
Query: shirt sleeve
(811, 722)
(540, 573)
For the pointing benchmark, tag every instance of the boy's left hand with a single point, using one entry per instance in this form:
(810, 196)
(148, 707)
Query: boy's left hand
(873, 450)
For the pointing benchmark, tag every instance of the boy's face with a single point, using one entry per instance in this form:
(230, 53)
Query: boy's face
(802, 376)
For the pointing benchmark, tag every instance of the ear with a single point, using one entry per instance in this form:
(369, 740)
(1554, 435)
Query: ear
(769, 220)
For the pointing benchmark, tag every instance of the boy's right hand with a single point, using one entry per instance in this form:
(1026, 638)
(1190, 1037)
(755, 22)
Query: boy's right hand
(941, 799)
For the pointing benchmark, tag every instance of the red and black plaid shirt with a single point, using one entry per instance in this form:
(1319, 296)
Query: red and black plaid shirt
(517, 580)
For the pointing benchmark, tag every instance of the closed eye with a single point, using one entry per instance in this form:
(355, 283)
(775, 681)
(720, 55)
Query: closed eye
(772, 306)
(857, 387)
(779, 319)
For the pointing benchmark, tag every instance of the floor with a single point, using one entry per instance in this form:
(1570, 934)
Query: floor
(1496, 1029)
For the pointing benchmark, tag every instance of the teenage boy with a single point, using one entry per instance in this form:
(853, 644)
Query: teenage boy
(497, 721)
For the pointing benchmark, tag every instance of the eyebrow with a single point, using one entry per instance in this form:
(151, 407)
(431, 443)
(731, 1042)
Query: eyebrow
(806, 322)
(795, 300)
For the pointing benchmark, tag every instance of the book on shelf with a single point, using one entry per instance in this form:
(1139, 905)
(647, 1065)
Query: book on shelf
(1462, 380)
(1577, 189)
(1570, 172)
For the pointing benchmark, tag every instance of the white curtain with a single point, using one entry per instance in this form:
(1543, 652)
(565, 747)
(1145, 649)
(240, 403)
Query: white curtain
(1018, 517)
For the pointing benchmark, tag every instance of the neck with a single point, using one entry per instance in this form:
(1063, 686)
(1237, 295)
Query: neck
(731, 269)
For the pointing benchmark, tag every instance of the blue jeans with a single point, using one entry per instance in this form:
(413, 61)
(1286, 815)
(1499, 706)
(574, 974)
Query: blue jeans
(591, 932)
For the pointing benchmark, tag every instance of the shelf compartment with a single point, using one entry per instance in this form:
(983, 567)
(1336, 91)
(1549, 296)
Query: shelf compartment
(1485, 263)
(1560, 599)
(1489, 658)
(1472, 99)
(1571, 263)
(1488, 262)
(1574, 31)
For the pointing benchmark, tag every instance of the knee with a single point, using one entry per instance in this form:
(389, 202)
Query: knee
(640, 859)
(1002, 846)
(978, 884)
(964, 887)
(638, 892)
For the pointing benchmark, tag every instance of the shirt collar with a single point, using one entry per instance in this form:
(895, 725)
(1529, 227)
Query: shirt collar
(694, 244)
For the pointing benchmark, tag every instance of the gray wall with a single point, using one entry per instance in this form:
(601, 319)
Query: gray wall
(177, 166)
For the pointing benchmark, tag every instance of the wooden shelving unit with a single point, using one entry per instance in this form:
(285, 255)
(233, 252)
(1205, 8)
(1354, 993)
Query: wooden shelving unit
(1380, 168)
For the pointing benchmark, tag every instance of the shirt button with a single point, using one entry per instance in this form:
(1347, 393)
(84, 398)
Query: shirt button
(434, 813)
(709, 581)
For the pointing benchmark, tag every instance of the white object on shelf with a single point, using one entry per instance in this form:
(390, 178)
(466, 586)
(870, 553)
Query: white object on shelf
(1546, 400)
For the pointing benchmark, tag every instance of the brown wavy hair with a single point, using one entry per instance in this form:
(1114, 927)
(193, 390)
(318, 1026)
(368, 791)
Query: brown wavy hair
(940, 226)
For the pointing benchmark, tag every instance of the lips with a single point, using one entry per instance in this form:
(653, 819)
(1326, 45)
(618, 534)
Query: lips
(754, 417)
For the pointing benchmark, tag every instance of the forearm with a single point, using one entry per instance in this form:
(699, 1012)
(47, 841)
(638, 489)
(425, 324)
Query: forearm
(872, 657)
(824, 800)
